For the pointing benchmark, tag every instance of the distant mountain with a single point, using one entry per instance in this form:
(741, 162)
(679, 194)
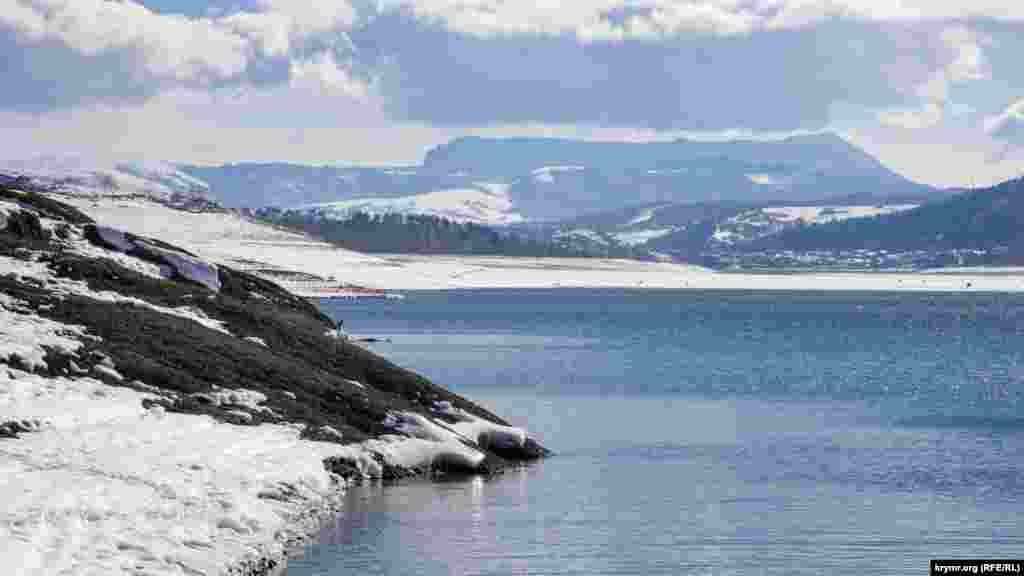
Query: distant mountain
(558, 179)
(280, 185)
(551, 180)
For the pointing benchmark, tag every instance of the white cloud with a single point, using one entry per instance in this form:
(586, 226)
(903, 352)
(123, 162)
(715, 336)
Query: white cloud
(1008, 126)
(928, 115)
(965, 62)
(105, 50)
(322, 72)
(168, 46)
(616, 20)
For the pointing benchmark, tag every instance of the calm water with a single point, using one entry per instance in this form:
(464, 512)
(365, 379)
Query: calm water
(706, 433)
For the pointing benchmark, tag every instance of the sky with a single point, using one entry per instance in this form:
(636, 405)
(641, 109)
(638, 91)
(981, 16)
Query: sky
(931, 87)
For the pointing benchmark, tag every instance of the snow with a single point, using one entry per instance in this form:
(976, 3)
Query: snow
(489, 205)
(91, 178)
(401, 171)
(97, 484)
(430, 442)
(760, 222)
(546, 174)
(222, 236)
(25, 335)
(584, 233)
(108, 487)
(822, 214)
(115, 238)
(195, 269)
(256, 340)
(499, 189)
(644, 215)
(194, 314)
(640, 236)
(238, 398)
(481, 431)
(64, 286)
(763, 179)
(108, 371)
(105, 486)
(228, 238)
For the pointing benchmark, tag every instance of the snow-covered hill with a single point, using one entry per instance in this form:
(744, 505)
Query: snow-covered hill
(485, 203)
(73, 176)
(757, 223)
(158, 421)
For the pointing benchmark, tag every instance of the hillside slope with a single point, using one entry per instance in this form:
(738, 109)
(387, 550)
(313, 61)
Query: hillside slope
(165, 412)
(981, 219)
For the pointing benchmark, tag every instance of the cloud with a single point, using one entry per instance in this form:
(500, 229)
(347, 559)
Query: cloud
(71, 52)
(1008, 126)
(290, 76)
(962, 60)
(776, 80)
(618, 20)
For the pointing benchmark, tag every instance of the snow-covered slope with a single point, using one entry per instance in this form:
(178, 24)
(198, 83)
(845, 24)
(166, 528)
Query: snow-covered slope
(169, 425)
(309, 267)
(73, 176)
(487, 203)
(760, 222)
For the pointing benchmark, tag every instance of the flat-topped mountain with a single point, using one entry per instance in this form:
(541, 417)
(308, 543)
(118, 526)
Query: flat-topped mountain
(551, 179)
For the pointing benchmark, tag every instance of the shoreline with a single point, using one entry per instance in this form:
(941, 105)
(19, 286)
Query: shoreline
(309, 266)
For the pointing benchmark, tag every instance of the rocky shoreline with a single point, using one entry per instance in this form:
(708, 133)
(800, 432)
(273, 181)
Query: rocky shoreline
(89, 308)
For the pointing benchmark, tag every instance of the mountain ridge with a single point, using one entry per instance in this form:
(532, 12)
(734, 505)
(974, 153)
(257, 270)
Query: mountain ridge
(553, 179)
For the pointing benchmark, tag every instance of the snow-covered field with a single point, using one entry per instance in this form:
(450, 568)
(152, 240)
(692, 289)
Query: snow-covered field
(251, 245)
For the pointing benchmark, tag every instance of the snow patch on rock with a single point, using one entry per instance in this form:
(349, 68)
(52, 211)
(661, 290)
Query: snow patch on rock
(484, 432)
(25, 335)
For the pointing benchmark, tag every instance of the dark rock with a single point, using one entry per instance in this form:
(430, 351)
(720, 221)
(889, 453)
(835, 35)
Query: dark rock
(323, 434)
(44, 205)
(26, 225)
(344, 467)
(12, 428)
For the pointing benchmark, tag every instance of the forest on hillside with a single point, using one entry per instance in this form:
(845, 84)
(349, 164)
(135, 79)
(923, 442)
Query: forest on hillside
(423, 234)
(982, 219)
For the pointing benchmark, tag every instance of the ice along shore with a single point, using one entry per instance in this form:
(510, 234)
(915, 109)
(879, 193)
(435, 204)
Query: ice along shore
(161, 413)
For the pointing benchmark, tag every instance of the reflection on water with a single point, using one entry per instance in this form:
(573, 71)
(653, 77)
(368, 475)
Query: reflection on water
(677, 486)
